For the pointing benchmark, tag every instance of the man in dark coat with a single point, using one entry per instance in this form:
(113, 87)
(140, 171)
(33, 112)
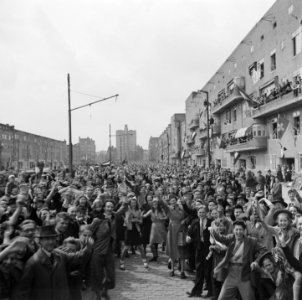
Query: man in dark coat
(46, 273)
(200, 236)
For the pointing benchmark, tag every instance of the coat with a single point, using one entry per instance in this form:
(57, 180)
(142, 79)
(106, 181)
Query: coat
(252, 249)
(42, 280)
(194, 234)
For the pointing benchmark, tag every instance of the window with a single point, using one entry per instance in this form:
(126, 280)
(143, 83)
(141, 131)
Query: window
(300, 161)
(297, 41)
(296, 128)
(261, 68)
(274, 129)
(253, 71)
(273, 61)
(235, 115)
(253, 162)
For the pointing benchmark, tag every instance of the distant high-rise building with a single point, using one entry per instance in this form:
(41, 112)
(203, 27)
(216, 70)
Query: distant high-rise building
(126, 144)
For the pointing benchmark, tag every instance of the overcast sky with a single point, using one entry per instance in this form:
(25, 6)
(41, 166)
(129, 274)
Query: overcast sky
(152, 53)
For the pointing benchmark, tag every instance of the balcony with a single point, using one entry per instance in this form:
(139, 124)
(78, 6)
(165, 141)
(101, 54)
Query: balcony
(216, 129)
(232, 97)
(255, 143)
(203, 134)
(189, 141)
(174, 155)
(277, 106)
(229, 101)
(200, 152)
(194, 124)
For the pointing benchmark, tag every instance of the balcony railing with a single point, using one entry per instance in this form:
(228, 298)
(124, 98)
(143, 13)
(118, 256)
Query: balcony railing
(189, 141)
(194, 124)
(203, 134)
(230, 100)
(276, 105)
(247, 144)
(216, 129)
(201, 152)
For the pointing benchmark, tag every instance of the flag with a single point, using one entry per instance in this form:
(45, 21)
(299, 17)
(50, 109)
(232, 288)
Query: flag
(283, 149)
(236, 157)
(282, 125)
(220, 143)
(246, 97)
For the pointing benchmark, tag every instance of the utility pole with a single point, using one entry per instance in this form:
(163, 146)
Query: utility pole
(69, 129)
(69, 120)
(110, 143)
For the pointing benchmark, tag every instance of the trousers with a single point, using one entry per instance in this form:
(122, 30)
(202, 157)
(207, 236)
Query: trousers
(233, 283)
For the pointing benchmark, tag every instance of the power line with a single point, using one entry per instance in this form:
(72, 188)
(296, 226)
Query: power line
(77, 92)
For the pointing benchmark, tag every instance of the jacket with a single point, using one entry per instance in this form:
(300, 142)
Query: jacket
(42, 280)
(252, 249)
(194, 234)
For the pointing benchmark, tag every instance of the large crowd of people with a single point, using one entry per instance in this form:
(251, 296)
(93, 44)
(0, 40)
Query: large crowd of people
(62, 234)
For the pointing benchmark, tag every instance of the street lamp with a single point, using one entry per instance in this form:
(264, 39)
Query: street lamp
(207, 104)
(69, 121)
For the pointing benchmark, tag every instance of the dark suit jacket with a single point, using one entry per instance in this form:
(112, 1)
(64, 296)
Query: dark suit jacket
(194, 234)
(252, 249)
(41, 280)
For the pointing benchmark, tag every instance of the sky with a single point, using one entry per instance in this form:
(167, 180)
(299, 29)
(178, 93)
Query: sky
(153, 53)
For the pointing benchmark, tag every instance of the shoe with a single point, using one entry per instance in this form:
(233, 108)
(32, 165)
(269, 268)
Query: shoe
(192, 295)
(208, 295)
(105, 294)
(172, 274)
(122, 266)
(183, 275)
(169, 265)
(154, 258)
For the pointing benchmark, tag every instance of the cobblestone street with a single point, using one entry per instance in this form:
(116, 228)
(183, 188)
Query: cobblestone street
(137, 283)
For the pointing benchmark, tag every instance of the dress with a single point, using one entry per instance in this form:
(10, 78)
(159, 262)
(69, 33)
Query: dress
(133, 235)
(158, 229)
(175, 215)
(146, 226)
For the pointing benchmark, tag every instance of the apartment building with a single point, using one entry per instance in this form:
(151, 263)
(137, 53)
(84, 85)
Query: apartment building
(256, 98)
(20, 150)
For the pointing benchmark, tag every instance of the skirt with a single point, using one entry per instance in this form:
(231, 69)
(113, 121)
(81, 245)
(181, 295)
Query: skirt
(133, 237)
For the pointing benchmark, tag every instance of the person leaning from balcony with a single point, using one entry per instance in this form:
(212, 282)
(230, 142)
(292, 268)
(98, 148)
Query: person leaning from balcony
(238, 263)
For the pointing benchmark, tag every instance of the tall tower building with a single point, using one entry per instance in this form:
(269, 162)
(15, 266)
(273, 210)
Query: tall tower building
(126, 144)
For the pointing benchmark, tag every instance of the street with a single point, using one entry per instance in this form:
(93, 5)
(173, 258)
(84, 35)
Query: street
(153, 284)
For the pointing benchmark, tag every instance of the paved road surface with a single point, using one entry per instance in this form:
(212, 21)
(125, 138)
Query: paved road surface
(137, 283)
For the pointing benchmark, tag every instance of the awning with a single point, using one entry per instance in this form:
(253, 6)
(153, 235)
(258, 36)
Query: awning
(241, 132)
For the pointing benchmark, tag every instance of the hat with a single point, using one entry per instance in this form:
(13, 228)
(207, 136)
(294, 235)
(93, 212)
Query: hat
(263, 256)
(11, 176)
(240, 196)
(47, 231)
(279, 200)
(282, 211)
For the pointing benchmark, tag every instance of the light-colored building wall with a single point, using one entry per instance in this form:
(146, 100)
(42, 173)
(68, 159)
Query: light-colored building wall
(176, 138)
(268, 56)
